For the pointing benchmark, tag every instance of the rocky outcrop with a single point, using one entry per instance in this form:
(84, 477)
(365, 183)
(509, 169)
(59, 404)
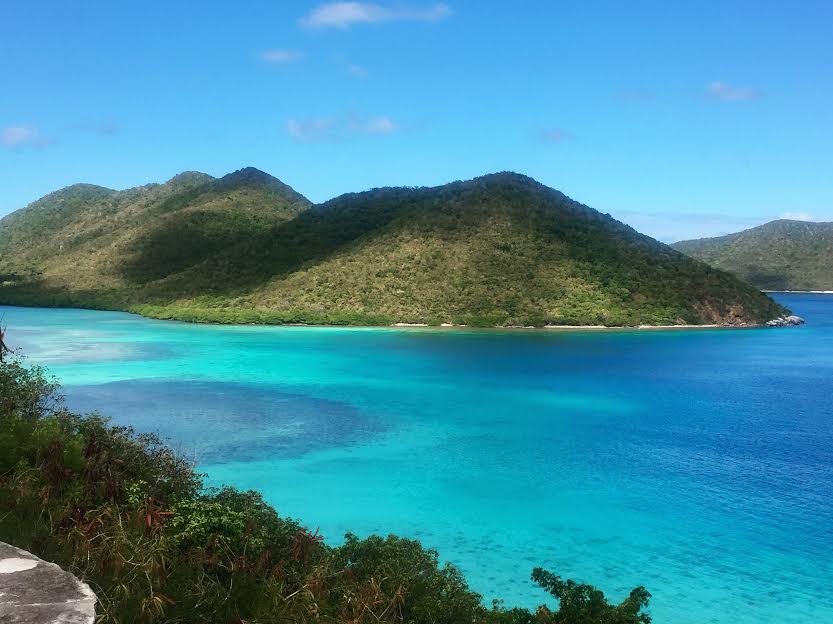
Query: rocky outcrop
(33, 591)
(785, 321)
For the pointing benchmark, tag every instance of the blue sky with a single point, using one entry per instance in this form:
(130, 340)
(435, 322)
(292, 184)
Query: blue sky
(680, 120)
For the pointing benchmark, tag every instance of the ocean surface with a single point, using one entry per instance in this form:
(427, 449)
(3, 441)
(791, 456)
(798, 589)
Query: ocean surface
(697, 463)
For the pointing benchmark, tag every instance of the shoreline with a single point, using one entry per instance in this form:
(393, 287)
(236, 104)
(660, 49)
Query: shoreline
(801, 292)
(407, 326)
(568, 328)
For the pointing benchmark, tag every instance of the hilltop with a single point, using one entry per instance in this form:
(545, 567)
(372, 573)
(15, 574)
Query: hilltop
(90, 244)
(779, 255)
(501, 249)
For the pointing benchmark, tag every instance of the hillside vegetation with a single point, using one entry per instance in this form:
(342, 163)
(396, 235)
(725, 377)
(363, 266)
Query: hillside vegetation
(134, 521)
(497, 250)
(779, 255)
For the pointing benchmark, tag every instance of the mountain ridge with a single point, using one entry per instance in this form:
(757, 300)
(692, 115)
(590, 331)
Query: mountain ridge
(783, 254)
(501, 249)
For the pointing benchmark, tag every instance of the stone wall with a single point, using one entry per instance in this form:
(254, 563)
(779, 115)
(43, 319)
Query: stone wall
(33, 591)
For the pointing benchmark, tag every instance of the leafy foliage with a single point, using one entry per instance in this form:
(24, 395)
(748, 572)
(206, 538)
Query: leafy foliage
(497, 250)
(582, 603)
(779, 255)
(132, 519)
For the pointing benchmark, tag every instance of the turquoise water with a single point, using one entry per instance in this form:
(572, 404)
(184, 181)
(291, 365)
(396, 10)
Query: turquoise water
(698, 463)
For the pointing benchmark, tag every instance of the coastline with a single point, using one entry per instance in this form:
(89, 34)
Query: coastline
(801, 292)
(423, 326)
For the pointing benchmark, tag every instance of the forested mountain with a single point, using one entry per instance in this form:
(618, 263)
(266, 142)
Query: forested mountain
(779, 255)
(501, 249)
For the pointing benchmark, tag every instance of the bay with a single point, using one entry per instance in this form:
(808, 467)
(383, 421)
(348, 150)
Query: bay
(698, 463)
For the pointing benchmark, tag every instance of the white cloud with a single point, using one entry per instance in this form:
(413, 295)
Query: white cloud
(556, 135)
(345, 14)
(312, 130)
(18, 137)
(280, 56)
(668, 226)
(672, 226)
(374, 125)
(357, 71)
(21, 137)
(796, 216)
(722, 91)
(331, 129)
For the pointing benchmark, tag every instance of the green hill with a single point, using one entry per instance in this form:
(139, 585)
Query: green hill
(779, 255)
(497, 250)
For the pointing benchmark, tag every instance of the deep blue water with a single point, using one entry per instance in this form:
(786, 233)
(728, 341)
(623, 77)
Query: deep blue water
(697, 463)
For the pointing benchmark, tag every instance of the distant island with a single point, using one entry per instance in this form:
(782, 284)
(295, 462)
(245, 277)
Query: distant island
(498, 250)
(779, 255)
